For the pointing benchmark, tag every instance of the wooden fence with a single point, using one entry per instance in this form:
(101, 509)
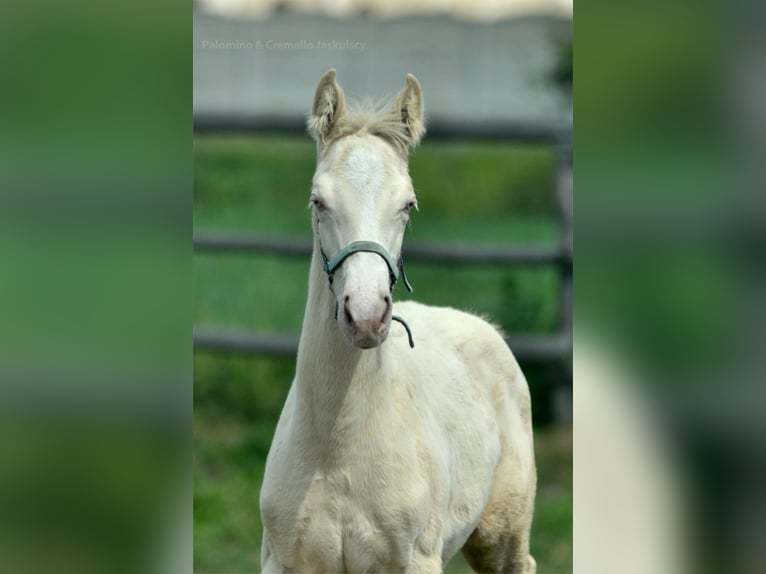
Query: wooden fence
(554, 347)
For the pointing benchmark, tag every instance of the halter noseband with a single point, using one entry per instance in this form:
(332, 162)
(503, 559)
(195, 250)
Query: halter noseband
(394, 270)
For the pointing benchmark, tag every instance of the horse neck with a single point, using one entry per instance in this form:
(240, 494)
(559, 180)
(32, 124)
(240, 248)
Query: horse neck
(332, 376)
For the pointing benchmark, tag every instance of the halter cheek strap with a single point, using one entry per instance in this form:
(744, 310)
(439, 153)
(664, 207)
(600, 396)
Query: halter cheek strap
(395, 269)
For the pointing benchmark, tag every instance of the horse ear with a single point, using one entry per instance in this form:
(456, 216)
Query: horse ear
(409, 106)
(329, 106)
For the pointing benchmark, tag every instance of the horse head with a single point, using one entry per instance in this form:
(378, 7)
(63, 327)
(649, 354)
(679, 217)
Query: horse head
(361, 200)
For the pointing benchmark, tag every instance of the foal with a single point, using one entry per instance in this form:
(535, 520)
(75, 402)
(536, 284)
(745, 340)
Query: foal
(389, 457)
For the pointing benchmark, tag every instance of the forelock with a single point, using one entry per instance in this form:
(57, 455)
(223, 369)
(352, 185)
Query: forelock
(374, 118)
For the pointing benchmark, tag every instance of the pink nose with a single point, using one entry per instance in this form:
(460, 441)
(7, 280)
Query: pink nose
(368, 323)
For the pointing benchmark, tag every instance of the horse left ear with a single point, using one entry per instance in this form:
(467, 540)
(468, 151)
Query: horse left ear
(409, 106)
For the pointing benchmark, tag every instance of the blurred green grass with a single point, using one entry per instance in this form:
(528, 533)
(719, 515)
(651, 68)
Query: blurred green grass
(479, 193)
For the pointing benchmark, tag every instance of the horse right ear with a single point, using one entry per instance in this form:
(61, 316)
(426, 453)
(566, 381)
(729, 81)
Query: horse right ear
(329, 106)
(408, 106)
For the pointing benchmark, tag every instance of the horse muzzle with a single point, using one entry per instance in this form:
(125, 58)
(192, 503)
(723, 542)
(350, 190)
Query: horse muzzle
(367, 323)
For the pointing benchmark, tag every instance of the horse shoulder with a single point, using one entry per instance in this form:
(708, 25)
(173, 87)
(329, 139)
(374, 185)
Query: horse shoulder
(471, 384)
(283, 481)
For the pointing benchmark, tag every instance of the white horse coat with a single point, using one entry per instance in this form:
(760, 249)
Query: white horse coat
(388, 458)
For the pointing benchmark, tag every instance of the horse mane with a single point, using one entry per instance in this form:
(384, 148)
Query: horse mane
(377, 118)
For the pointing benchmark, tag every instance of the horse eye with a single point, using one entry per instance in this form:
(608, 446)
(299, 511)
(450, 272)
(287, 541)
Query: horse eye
(317, 203)
(410, 206)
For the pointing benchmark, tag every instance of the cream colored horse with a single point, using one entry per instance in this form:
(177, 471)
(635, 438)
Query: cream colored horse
(388, 458)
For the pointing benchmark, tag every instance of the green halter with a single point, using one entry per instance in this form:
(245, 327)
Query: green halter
(394, 270)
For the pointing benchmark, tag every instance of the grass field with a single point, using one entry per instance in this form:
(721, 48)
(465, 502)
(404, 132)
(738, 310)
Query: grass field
(468, 193)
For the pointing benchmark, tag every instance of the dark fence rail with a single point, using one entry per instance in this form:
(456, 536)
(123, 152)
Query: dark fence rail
(461, 254)
(525, 347)
(436, 129)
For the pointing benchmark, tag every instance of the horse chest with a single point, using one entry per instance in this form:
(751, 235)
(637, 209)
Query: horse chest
(350, 520)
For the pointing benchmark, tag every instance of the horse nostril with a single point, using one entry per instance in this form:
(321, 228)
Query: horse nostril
(346, 299)
(387, 300)
(347, 313)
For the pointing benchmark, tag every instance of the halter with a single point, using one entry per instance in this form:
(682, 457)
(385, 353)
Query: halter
(394, 270)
